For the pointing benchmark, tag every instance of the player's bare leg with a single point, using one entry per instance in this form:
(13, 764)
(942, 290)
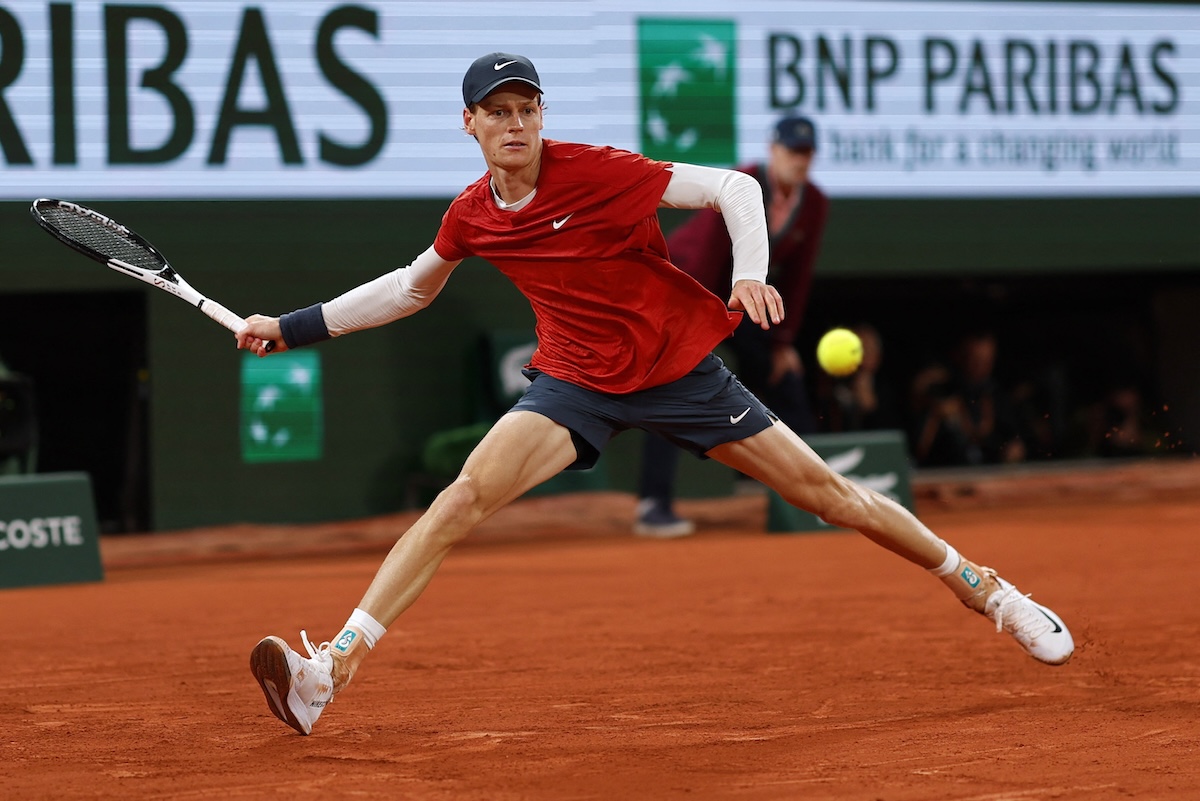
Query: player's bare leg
(780, 459)
(521, 451)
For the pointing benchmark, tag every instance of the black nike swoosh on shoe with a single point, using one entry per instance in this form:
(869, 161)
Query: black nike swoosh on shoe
(1057, 627)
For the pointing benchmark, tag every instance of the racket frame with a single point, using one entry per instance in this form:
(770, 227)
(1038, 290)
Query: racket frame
(166, 278)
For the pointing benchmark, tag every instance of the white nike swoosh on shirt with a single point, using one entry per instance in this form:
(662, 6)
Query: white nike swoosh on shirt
(499, 65)
(738, 419)
(560, 223)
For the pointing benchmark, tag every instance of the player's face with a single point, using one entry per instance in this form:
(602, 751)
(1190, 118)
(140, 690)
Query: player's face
(790, 167)
(508, 125)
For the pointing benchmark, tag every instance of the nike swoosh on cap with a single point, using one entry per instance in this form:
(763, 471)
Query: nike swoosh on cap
(499, 65)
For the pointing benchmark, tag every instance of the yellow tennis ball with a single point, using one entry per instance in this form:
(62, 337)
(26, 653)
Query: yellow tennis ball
(840, 352)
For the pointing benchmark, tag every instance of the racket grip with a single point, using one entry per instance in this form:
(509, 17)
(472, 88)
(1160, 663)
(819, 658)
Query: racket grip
(222, 315)
(227, 318)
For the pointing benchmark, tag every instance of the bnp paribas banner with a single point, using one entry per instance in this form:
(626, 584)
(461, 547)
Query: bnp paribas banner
(314, 99)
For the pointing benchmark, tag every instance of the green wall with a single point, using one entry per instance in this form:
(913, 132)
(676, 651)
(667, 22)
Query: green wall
(386, 390)
(1010, 237)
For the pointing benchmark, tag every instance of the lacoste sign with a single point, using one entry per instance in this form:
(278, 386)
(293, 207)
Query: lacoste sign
(48, 531)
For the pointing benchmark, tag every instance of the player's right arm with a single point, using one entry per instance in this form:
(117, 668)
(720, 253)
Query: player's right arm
(385, 299)
(389, 297)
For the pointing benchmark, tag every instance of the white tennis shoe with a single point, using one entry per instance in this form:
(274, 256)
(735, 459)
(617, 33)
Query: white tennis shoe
(1037, 629)
(297, 689)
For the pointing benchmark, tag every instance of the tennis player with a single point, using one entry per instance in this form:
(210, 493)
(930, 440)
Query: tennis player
(625, 341)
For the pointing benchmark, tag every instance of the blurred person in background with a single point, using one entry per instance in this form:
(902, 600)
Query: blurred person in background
(768, 361)
(865, 400)
(962, 414)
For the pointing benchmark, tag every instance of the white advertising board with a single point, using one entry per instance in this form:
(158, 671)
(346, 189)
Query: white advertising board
(321, 99)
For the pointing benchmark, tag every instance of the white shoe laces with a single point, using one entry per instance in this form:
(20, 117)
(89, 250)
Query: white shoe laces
(1023, 619)
(318, 653)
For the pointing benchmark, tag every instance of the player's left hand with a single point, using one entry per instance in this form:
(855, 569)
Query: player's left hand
(760, 301)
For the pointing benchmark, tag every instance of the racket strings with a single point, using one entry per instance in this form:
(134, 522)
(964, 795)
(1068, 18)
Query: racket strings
(102, 239)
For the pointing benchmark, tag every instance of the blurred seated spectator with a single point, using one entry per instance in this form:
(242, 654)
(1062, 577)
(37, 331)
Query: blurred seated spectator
(1042, 407)
(1115, 423)
(961, 414)
(18, 423)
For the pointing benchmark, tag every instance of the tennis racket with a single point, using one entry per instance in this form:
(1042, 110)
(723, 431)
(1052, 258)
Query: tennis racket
(108, 242)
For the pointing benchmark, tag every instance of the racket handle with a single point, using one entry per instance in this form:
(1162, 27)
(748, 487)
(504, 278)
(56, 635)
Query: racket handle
(227, 318)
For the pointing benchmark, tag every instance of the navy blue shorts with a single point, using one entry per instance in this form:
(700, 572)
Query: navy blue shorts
(706, 408)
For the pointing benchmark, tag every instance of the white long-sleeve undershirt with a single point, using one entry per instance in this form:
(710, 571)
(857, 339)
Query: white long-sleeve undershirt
(739, 199)
(390, 296)
(404, 291)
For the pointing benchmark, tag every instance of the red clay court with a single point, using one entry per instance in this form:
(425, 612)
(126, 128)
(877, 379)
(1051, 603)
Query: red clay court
(556, 656)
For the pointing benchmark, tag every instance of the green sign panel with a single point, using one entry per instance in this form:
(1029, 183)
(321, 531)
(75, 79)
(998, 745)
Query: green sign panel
(688, 90)
(282, 413)
(48, 530)
(874, 459)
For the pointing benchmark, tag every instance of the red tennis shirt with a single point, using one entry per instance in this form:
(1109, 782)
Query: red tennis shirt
(613, 314)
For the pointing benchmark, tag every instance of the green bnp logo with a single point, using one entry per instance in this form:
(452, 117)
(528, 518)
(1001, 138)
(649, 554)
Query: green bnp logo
(282, 412)
(687, 82)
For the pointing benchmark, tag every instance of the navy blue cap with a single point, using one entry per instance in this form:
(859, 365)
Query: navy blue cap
(796, 133)
(488, 72)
